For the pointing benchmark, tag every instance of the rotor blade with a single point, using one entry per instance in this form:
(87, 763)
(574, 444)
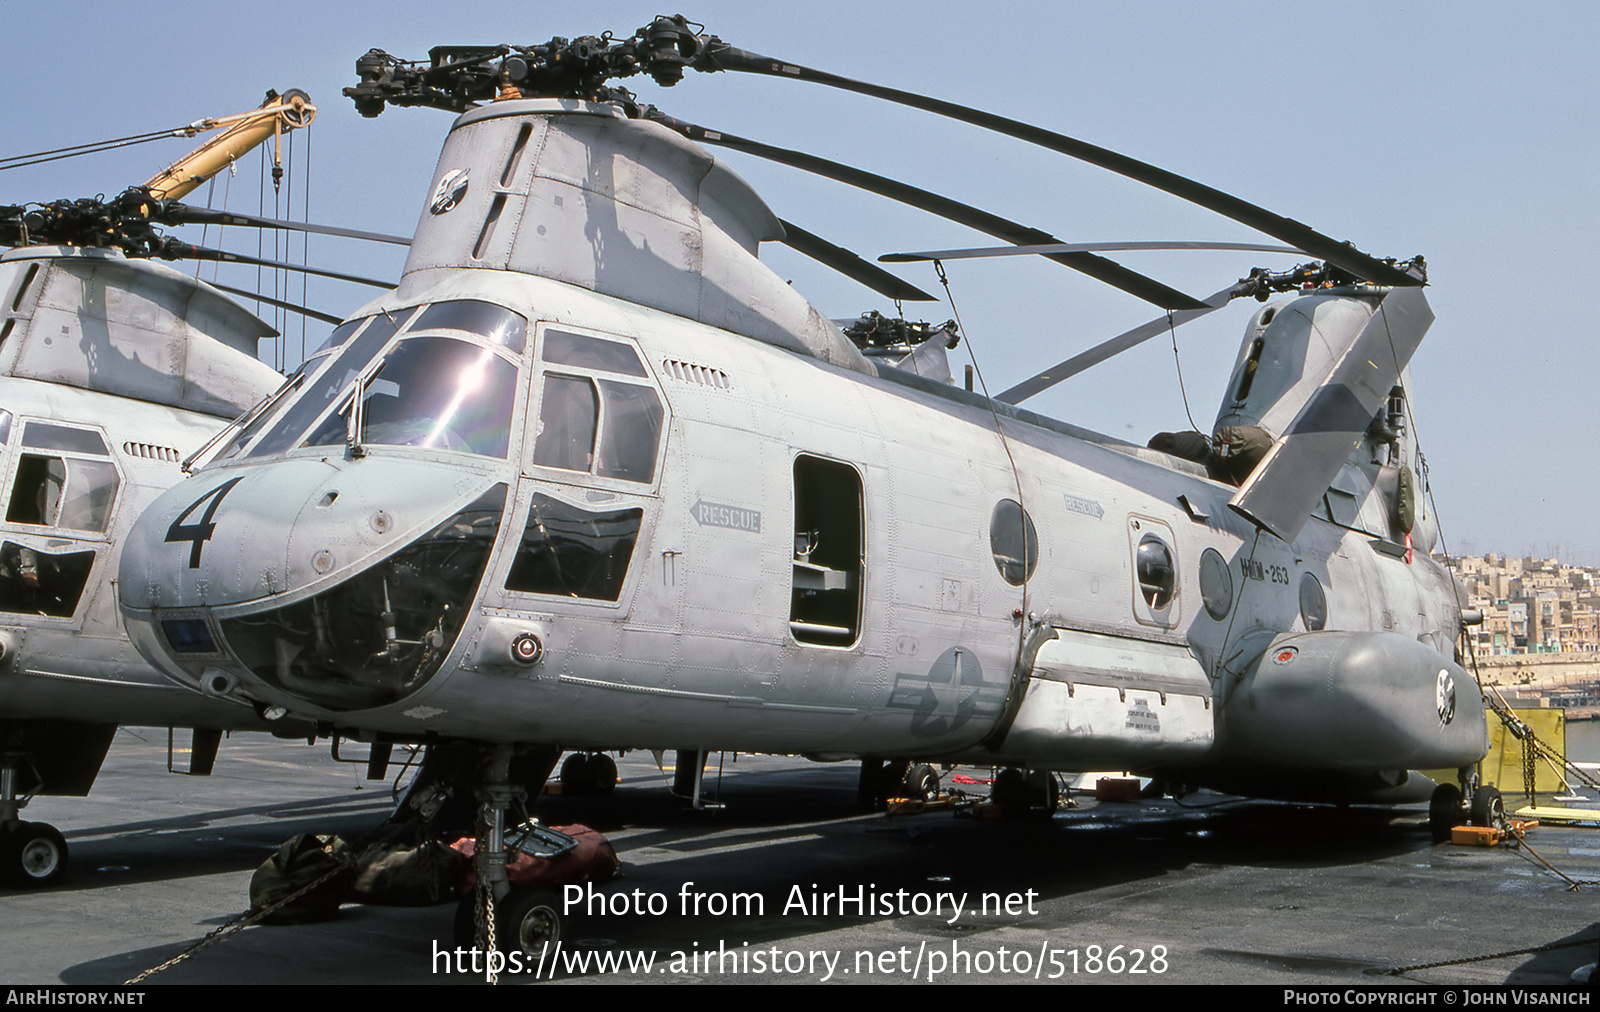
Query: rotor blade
(1116, 346)
(183, 214)
(1295, 233)
(1072, 247)
(1111, 273)
(852, 266)
(246, 293)
(184, 251)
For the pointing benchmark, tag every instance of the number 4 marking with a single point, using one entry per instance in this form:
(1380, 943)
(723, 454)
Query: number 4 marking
(201, 532)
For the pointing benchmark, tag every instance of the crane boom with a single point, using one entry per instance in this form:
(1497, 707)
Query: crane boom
(276, 116)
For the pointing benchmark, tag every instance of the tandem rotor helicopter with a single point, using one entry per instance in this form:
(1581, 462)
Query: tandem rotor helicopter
(113, 370)
(593, 477)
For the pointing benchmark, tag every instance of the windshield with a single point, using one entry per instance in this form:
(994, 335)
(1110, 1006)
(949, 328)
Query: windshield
(450, 393)
(434, 392)
(329, 383)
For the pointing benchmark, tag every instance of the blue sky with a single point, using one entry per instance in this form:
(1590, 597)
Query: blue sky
(1463, 131)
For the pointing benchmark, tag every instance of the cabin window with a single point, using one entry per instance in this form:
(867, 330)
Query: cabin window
(1158, 577)
(5, 426)
(1216, 584)
(599, 422)
(1313, 603)
(1013, 541)
(825, 601)
(572, 552)
(34, 582)
(1155, 593)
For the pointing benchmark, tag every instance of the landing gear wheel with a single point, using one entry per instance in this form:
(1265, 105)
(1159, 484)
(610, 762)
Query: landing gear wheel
(1010, 792)
(1047, 793)
(527, 919)
(34, 855)
(602, 773)
(532, 917)
(574, 770)
(588, 773)
(1022, 793)
(921, 782)
(1487, 807)
(1444, 811)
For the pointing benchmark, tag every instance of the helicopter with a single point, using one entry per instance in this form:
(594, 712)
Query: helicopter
(113, 370)
(594, 477)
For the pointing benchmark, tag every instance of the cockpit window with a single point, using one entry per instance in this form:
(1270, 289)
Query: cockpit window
(603, 424)
(434, 392)
(46, 436)
(633, 425)
(498, 324)
(60, 486)
(252, 422)
(569, 413)
(562, 348)
(429, 391)
(572, 552)
(321, 394)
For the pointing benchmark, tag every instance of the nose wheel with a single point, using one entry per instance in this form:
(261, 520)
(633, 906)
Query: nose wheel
(32, 855)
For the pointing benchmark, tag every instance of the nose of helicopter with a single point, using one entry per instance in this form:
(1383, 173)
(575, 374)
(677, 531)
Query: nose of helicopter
(228, 538)
(341, 583)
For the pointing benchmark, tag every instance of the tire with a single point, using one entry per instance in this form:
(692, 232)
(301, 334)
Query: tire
(602, 774)
(1045, 793)
(1010, 792)
(1487, 807)
(575, 774)
(921, 782)
(531, 916)
(528, 917)
(35, 855)
(1444, 811)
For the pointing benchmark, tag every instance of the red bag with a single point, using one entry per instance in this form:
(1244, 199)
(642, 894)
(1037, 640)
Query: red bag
(590, 859)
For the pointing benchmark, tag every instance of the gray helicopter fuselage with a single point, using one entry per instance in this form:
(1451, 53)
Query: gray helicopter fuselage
(592, 476)
(111, 372)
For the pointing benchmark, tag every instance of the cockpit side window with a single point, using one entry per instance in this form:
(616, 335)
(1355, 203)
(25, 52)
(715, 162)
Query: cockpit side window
(595, 417)
(69, 481)
(569, 414)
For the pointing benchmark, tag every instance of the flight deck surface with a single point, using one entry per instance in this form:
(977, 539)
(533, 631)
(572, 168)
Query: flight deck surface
(1212, 890)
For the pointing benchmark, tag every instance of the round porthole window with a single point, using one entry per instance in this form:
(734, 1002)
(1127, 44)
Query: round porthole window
(1013, 541)
(1216, 584)
(1157, 575)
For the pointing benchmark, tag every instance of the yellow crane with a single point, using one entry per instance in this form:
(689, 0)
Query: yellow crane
(276, 116)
